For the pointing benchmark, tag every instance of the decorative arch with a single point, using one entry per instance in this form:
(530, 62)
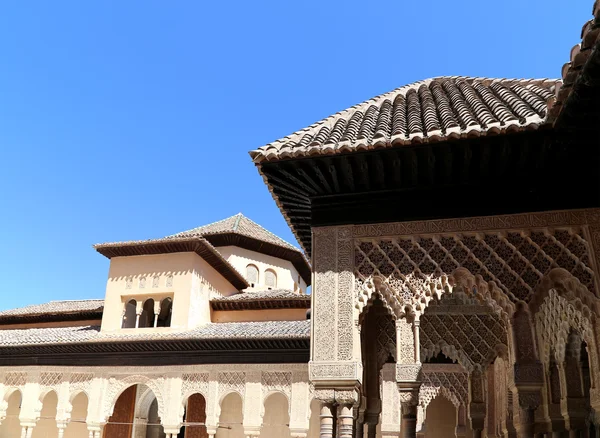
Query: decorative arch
(76, 392)
(448, 350)
(561, 295)
(117, 387)
(143, 405)
(562, 304)
(273, 392)
(412, 295)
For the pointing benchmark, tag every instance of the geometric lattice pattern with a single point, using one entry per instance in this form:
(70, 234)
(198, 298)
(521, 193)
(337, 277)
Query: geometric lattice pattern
(195, 382)
(476, 336)
(386, 340)
(276, 381)
(233, 381)
(50, 379)
(15, 379)
(456, 385)
(515, 260)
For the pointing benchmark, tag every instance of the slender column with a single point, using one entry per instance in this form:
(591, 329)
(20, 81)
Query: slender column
(23, 431)
(326, 420)
(156, 312)
(345, 421)
(29, 432)
(138, 312)
(409, 420)
(61, 430)
(371, 430)
(416, 328)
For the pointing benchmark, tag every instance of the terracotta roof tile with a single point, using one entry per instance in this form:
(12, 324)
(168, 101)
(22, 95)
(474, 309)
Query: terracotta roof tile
(91, 334)
(55, 307)
(238, 224)
(580, 53)
(432, 110)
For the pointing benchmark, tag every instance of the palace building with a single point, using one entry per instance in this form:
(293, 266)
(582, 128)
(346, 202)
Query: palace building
(453, 231)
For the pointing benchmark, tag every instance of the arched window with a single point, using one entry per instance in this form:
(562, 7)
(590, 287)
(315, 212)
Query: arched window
(164, 317)
(129, 314)
(147, 316)
(270, 279)
(252, 274)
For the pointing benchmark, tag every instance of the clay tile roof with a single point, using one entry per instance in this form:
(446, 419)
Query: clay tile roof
(54, 310)
(436, 109)
(270, 299)
(91, 334)
(238, 224)
(580, 54)
(238, 230)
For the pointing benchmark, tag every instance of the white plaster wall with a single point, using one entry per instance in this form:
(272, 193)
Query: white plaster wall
(77, 427)
(10, 426)
(276, 418)
(231, 418)
(285, 270)
(46, 425)
(185, 277)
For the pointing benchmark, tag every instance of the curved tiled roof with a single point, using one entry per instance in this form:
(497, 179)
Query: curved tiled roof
(55, 308)
(580, 53)
(436, 109)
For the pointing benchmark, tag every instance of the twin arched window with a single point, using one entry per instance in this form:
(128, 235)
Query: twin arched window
(252, 275)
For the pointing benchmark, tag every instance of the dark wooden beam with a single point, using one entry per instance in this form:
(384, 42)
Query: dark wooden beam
(346, 172)
(306, 188)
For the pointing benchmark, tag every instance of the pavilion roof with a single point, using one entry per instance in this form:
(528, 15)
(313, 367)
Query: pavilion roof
(166, 245)
(238, 230)
(433, 110)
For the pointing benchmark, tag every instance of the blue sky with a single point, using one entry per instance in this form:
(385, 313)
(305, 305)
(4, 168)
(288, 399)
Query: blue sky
(123, 120)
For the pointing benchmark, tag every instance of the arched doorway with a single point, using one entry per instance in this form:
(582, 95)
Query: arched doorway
(440, 419)
(46, 425)
(276, 419)
(10, 425)
(231, 418)
(194, 418)
(135, 414)
(77, 426)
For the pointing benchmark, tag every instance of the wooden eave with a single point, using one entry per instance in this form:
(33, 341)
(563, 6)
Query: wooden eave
(258, 304)
(547, 169)
(198, 245)
(257, 245)
(161, 352)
